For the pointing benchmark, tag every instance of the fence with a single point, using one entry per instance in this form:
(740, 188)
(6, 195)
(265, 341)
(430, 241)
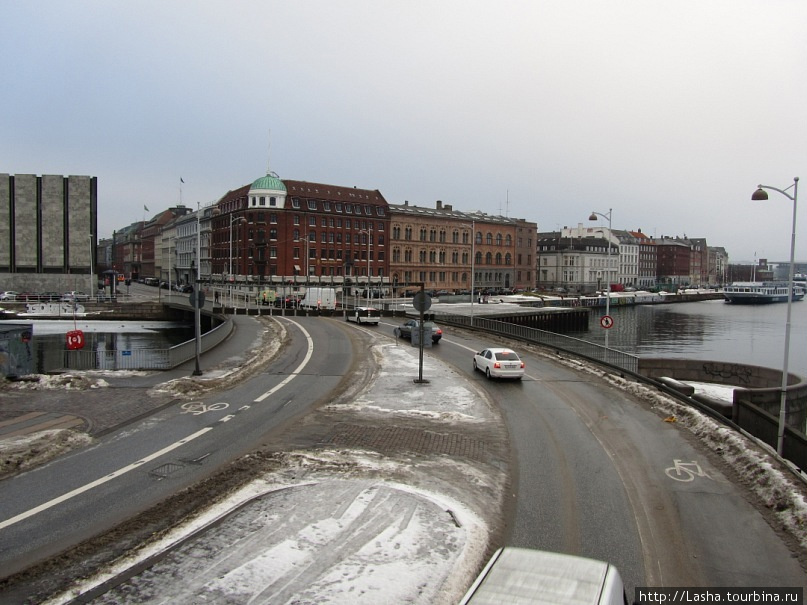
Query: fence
(579, 347)
(146, 359)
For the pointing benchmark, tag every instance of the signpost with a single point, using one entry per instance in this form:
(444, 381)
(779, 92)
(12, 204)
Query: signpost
(422, 303)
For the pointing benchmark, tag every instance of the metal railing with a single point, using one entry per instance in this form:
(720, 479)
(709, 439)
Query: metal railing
(145, 359)
(568, 344)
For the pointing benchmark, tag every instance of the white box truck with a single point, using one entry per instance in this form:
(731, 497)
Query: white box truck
(319, 298)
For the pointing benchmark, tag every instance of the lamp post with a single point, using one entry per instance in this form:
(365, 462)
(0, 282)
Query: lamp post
(196, 296)
(593, 217)
(369, 233)
(233, 220)
(760, 195)
(93, 286)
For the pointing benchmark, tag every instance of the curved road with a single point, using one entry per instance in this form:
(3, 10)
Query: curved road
(590, 478)
(92, 490)
(589, 469)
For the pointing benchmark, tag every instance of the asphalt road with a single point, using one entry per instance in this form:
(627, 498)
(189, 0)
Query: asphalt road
(590, 468)
(90, 491)
(590, 478)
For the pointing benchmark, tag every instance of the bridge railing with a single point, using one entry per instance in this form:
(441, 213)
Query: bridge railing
(577, 346)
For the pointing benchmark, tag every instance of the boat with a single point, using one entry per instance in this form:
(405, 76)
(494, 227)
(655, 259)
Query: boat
(761, 293)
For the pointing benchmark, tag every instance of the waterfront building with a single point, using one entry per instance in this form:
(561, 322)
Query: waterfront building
(577, 261)
(450, 250)
(647, 261)
(48, 232)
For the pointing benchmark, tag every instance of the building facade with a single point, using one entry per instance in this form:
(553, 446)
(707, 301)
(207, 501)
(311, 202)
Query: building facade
(48, 232)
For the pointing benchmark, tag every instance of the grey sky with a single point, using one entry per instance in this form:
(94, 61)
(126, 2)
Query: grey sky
(668, 112)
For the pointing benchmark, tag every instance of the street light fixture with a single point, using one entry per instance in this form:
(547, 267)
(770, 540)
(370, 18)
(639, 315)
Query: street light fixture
(369, 233)
(760, 195)
(593, 217)
(233, 220)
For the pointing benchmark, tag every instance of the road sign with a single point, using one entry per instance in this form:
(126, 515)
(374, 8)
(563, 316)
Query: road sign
(606, 321)
(194, 297)
(422, 302)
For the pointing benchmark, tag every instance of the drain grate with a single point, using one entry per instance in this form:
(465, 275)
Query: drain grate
(163, 471)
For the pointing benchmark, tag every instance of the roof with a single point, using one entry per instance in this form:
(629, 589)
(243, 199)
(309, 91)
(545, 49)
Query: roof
(270, 182)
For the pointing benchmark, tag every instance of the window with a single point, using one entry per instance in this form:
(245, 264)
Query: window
(368, 210)
(312, 204)
(348, 208)
(262, 201)
(326, 206)
(272, 218)
(295, 203)
(379, 210)
(338, 206)
(312, 221)
(498, 239)
(273, 201)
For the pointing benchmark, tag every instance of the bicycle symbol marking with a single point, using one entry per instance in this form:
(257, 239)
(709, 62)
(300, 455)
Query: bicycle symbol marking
(685, 471)
(197, 407)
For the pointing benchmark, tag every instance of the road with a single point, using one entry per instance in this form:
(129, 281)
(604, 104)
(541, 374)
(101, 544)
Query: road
(590, 467)
(590, 478)
(92, 490)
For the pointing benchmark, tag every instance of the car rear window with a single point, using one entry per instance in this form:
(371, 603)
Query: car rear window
(507, 356)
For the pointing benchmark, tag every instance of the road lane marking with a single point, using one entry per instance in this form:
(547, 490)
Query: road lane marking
(80, 490)
(298, 369)
(122, 471)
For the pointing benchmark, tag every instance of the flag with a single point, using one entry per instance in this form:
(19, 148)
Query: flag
(180, 180)
(145, 208)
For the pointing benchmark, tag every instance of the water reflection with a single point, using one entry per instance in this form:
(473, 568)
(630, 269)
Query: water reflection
(712, 330)
(104, 340)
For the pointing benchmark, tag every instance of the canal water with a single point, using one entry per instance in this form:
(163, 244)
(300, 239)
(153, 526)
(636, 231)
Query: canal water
(709, 330)
(49, 337)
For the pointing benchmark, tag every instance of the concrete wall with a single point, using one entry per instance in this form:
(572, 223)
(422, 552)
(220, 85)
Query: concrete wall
(760, 386)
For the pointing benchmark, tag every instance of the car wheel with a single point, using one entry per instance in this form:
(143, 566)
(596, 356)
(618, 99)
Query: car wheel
(487, 373)
(475, 366)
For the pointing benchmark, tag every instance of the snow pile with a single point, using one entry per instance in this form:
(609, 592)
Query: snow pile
(232, 370)
(70, 381)
(24, 452)
(393, 397)
(286, 541)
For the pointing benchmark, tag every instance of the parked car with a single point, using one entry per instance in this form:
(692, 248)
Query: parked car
(363, 315)
(9, 295)
(499, 363)
(75, 296)
(405, 329)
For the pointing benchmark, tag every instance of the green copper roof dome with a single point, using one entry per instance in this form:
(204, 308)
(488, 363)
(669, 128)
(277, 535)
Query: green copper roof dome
(269, 182)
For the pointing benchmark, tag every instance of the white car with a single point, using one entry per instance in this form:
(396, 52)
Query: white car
(8, 295)
(363, 315)
(499, 363)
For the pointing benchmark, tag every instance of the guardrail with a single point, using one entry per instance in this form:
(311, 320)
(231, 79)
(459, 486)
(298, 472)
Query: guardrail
(146, 359)
(579, 347)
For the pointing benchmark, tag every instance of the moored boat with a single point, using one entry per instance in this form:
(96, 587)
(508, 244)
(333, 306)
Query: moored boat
(760, 293)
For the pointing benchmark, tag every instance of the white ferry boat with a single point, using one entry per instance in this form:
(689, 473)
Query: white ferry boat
(760, 293)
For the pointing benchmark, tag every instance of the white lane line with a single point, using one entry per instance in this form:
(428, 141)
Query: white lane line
(298, 369)
(102, 480)
(122, 471)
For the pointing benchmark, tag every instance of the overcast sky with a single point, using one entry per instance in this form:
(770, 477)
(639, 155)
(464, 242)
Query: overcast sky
(670, 113)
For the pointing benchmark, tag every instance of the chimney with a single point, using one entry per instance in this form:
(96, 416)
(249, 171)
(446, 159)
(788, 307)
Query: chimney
(439, 204)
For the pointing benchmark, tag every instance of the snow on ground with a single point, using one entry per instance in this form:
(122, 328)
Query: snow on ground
(336, 526)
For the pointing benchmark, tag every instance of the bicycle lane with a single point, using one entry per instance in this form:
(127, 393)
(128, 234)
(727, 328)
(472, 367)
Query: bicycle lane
(699, 527)
(70, 485)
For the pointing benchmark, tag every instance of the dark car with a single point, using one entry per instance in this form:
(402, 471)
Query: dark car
(405, 329)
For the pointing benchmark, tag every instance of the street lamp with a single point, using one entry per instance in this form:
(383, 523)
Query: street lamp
(93, 286)
(760, 195)
(196, 296)
(593, 217)
(233, 220)
(369, 233)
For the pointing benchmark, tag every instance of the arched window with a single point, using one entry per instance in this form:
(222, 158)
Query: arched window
(489, 239)
(498, 239)
(489, 258)
(498, 258)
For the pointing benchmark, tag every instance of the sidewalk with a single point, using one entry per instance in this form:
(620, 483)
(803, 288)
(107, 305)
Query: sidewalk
(100, 402)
